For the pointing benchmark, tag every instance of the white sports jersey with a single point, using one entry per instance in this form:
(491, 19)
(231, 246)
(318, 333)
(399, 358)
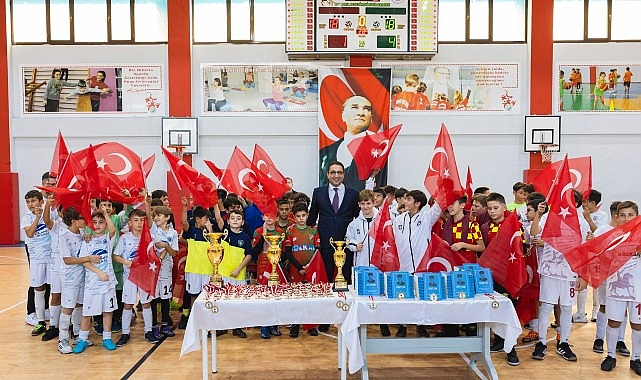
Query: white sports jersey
(602, 229)
(413, 234)
(56, 260)
(600, 218)
(170, 237)
(127, 248)
(73, 275)
(625, 284)
(357, 232)
(99, 246)
(40, 243)
(552, 263)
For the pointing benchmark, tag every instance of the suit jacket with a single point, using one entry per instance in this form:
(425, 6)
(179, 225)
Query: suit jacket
(330, 223)
(328, 155)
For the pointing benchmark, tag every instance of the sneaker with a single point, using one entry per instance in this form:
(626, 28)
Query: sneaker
(38, 329)
(513, 358)
(80, 347)
(401, 332)
(385, 330)
(151, 337)
(313, 331)
(76, 339)
(167, 331)
(220, 333)
(608, 364)
(598, 346)
(635, 365)
(156, 331)
(182, 324)
(124, 338)
(64, 347)
(531, 336)
(97, 327)
(239, 333)
(109, 344)
(323, 328)
(31, 319)
(539, 351)
(294, 331)
(52, 332)
(264, 332)
(116, 326)
(421, 331)
(565, 351)
(498, 346)
(579, 318)
(622, 349)
(273, 330)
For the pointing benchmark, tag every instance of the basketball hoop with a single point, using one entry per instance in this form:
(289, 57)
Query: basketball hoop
(547, 150)
(179, 149)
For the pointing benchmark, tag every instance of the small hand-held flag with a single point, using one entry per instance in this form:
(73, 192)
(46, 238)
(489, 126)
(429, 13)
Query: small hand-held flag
(439, 257)
(202, 189)
(145, 268)
(468, 189)
(384, 252)
(370, 152)
(442, 179)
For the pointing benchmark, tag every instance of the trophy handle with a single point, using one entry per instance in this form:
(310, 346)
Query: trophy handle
(331, 242)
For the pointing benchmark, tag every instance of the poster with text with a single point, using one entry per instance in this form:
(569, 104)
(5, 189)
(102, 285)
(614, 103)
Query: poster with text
(99, 89)
(256, 88)
(598, 88)
(353, 102)
(492, 87)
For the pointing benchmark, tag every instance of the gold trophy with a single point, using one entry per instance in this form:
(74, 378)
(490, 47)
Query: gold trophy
(273, 255)
(215, 255)
(340, 285)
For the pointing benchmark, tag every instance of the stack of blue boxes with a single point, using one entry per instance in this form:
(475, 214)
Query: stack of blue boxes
(369, 281)
(400, 285)
(431, 286)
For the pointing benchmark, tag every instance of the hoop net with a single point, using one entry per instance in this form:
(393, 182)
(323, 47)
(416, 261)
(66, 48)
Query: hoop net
(547, 150)
(179, 149)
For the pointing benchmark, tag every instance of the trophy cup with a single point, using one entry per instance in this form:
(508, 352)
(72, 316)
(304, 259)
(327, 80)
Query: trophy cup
(273, 255)
(215, 255)
(340, 285)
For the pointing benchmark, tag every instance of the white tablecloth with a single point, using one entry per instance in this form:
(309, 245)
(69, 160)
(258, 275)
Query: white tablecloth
(502, 320)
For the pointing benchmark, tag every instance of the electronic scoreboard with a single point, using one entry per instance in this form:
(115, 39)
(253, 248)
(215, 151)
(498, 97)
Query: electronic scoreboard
(362, 26)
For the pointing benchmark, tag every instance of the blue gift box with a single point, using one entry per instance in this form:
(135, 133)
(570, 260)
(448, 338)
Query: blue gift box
(370, 282)
(459, 285)
(483, 281)
(431, 286)
(399, 285)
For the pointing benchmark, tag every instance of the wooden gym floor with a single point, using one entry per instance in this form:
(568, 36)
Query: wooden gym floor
(279, 357)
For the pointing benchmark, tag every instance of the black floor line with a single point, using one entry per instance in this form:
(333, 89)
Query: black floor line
(143, 359)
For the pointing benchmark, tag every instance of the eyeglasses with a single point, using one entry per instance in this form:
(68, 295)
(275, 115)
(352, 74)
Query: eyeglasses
(335, 172)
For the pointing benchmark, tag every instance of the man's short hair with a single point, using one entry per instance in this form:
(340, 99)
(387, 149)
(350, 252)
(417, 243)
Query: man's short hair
(366, 195)
(163, 210)
(418, 196)
(221, 193)
(578, 197)
(389, 189)
(137, 212)
(47, 175)
(496, 197)
(33, 194)
(462, 199)
(628, 204)
(400, 192)
(614, 206)
(301, 197)
(480, 198)
(481, 190)
(379, 190)
(518, 186)
(335, 163)
(231, 201)
(200, 212)
(282, 201)
(69, 215)
(158, 194)
(595, 196)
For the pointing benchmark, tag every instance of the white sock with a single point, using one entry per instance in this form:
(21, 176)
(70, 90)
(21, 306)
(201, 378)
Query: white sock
(534, 324)
(126, 321)
(39, 301)
(636, 344)
(624, 325)
(106, 335)
(64, 327)
(84, 335)
(601, 322)
(544, 317)
(581, 298)
(54, 315)
(566, 322)
(611, 340)
(76, 317)
(146, 316)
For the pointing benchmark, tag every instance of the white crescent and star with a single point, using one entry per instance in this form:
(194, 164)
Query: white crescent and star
(618, 240)
(266, 170)
(530, 273)
(438, 149)
(578, 176)
(241, 175)
(126, 161)
(376, 153)
(442, 261)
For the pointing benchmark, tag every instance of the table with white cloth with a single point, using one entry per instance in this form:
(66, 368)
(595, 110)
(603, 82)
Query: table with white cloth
(489, 311)
(210, 313)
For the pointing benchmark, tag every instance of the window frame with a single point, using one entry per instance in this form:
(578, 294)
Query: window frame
(585, 28)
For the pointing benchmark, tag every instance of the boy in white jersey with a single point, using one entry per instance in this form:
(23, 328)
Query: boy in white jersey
(73, 274)
(54, 268)
(124, 253)
(623, 293)
(100, 281)
(38, 241)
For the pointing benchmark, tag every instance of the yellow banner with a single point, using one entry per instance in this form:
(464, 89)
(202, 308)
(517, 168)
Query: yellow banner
(231, 260)
(197, 260)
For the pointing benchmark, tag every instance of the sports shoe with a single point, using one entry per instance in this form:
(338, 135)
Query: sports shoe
(64, 347)
(97, 327)
(124, 338)
(531, 336)
(80, 347)
(239, 333)
(294, 331)
(151, 337)
(539, 351)
(598, 346)
(313, 331)
(76, 339)
(421, 331)
(167, 331)
(220, 333)
(499, 344)
(401, 332)
(31, 319)
(565, 351)
(579, 318)
(116, 326)
(39, 328)
(273, 330)
(182, 324)
(52, 332)
(323, 328)
(264, 332)
(608, 364)
(622, 349)
(513, 358)
(109, 344)
(635, 365)
(385, 330)
(156, 331)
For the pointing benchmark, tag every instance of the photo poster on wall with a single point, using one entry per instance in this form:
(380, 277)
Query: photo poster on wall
(353, 102)
(484, 87)
(598, 88)
(255, 88)
(97, 89)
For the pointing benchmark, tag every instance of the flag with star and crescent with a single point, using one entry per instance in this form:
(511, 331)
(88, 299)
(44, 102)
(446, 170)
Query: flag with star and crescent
(201, 188)
(442, 180)
(439, 257)
(145, 267)
(60, 154)
(371, 151)
(384, 252)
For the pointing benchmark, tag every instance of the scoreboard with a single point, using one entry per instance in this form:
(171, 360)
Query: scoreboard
(362, 26)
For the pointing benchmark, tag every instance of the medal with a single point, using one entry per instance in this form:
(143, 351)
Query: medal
(433, 297)
(211, 307)
(345, 307)
(340, 304)
(461, 295)
(401, 295)
(495, 304)
(372, 305)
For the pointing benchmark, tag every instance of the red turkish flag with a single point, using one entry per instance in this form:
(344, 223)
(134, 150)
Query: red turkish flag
(145, 267)
(148, 164)
(264, 163)
(580, 171)
(384, 252)
(598, 258)
(315, 272)
(442, 180)
(202, 189)
(370, 152)
(526, 307)
(178, 272)
(262, 278)
(60, 155)
(504, 256)
(439, 257)
(79, 200)
(218, 173)
(468, 189)
(562, 230)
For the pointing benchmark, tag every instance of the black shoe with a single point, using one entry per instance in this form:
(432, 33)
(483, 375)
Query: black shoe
(498, 345)
(598, 346)
(401, 332)
(323, 328)
(52, 332)
(182, 324)
(565, 351)
(264, 332)
(151, 337)
(539, 351)
(239, 333)
(273, 330)
(513, 358)
(294, 331)
(635, 365)
(421, 331)
(621, 349)
(124, 338)
(385, 330)
(471, 330)
(313, 331)
(220, 333)
(608, 364)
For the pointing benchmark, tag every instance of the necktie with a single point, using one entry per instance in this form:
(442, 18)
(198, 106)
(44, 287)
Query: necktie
(335, 201)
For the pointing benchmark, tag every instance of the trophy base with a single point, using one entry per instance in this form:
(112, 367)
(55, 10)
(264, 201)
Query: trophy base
(340, 287)
(273, 283)
(218, 282)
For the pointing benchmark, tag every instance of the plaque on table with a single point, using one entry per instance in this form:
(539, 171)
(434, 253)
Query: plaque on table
(431, 286)
(355, 271)
(459, 285)
(470, 266)
(483, 281)
(399, 285)
(370, 282)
